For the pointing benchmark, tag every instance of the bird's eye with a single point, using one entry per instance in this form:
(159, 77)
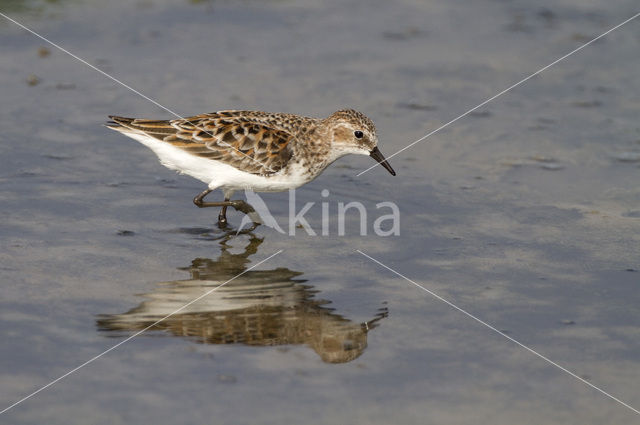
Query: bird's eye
(359, 134)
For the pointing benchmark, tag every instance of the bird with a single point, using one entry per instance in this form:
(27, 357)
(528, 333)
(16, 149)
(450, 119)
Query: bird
(260, 151)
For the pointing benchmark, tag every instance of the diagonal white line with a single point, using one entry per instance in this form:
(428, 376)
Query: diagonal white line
(531, 350)
(134, 335)
(505, 90)
(95, 68)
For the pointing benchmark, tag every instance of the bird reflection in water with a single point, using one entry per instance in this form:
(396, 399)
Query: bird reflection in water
(259, 308)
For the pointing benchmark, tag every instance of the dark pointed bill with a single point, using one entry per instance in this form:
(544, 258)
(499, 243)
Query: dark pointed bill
(377, 155)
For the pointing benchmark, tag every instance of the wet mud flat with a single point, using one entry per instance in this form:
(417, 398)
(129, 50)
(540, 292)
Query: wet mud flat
(525, 213)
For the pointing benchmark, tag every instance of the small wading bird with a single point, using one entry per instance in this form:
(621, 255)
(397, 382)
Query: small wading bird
(260, 151)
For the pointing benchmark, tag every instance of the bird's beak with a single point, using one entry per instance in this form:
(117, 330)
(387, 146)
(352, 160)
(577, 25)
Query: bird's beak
(377, 155)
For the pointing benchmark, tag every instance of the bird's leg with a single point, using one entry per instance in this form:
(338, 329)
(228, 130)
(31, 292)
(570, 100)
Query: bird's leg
(222, 216)
(241, 206)
(198, 199)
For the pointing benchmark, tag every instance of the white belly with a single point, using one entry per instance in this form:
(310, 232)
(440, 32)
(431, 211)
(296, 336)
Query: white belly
(217, 174)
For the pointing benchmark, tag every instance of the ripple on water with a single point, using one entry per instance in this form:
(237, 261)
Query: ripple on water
(627, 156)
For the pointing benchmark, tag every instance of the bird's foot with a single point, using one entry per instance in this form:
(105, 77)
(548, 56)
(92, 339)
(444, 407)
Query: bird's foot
(246, 208)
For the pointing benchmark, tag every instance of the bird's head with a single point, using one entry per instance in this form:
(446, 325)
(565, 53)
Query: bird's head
(353, 132)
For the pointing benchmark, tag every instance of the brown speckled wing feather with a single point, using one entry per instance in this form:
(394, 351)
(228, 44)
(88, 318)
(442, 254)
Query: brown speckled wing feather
(237, 138)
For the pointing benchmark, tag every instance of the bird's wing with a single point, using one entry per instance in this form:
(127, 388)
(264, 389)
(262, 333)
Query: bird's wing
(241, 140)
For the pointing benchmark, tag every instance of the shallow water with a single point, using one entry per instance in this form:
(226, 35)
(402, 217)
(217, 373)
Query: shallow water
(526, 214)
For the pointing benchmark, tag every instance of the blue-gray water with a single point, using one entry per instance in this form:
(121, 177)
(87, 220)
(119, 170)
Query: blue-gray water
(525, 213)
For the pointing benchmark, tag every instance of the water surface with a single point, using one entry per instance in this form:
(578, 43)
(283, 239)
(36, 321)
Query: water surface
(525, 213)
